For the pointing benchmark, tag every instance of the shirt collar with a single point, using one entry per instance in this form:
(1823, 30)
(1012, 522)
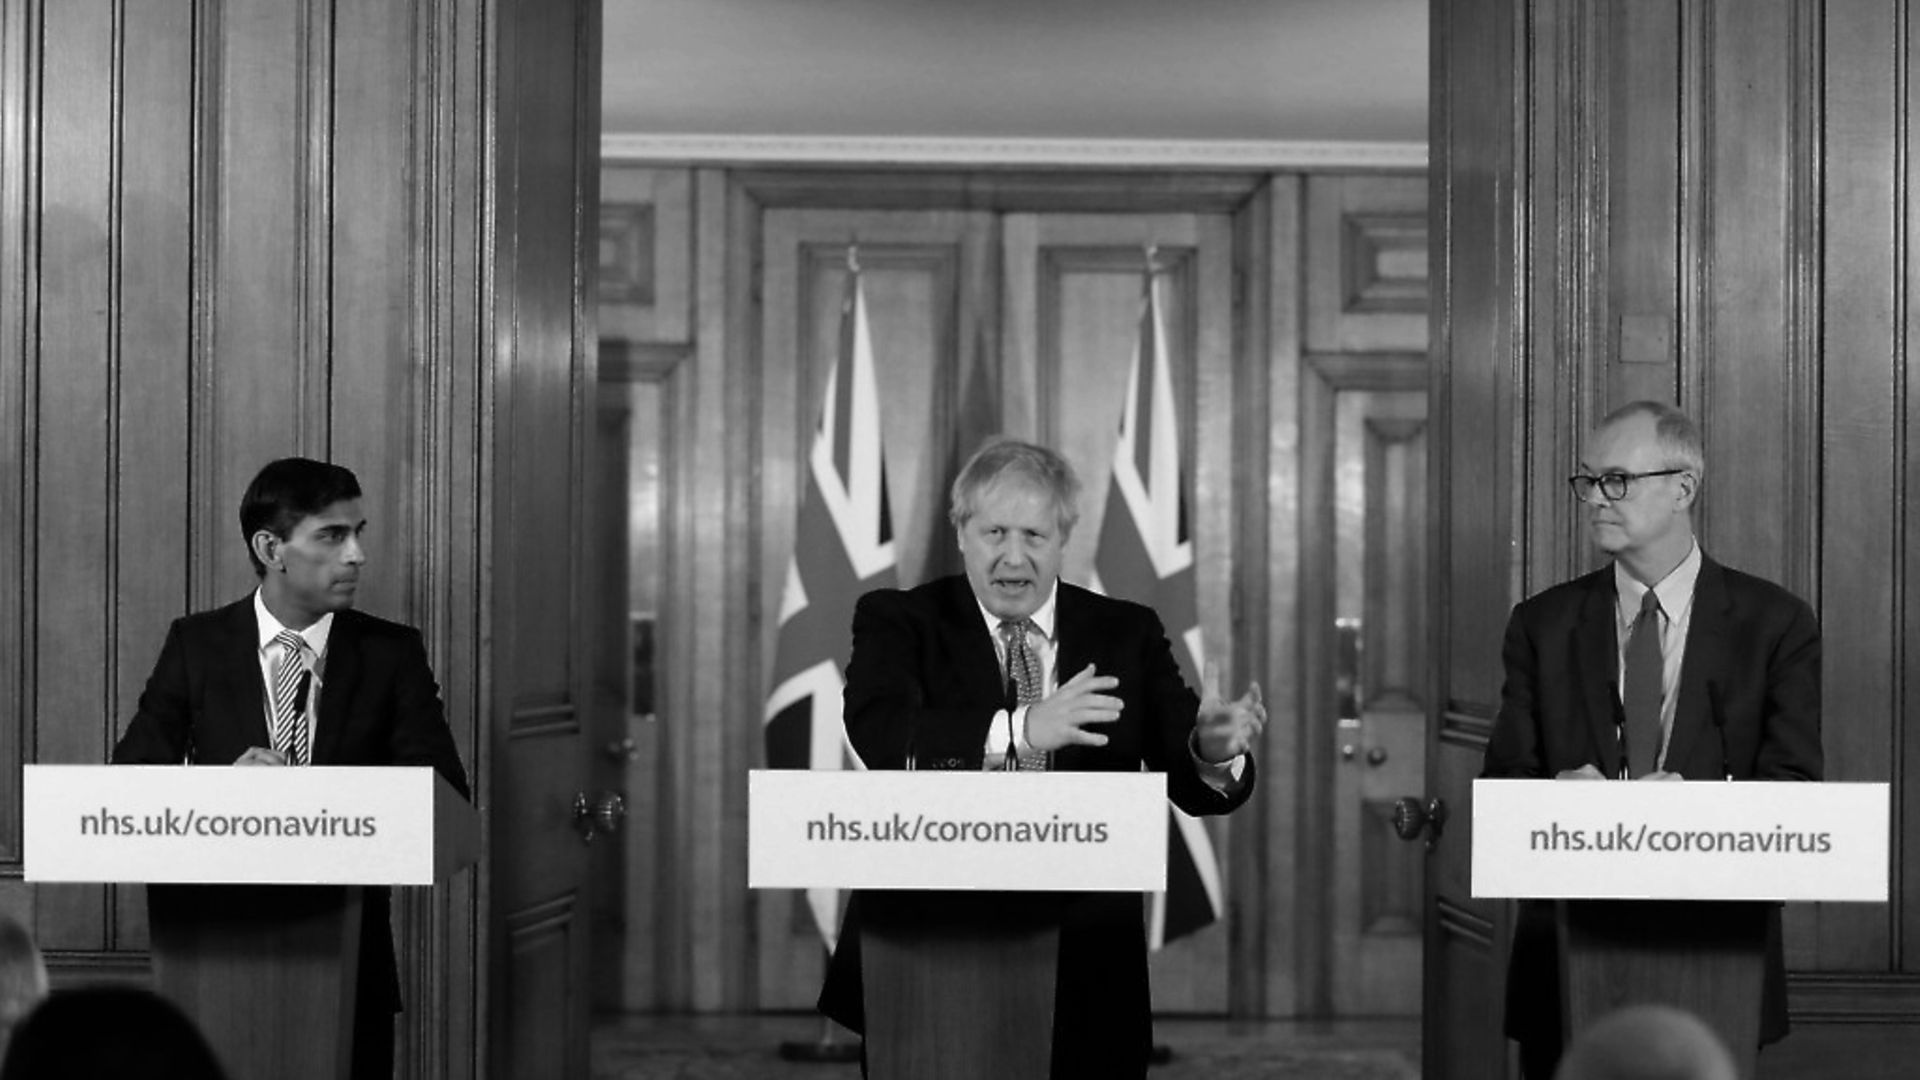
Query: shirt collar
(1675, 590)
(1043, 616)
(270, 627)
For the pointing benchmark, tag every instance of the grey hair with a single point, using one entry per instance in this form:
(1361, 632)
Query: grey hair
(1009, 458)
(1678, 435)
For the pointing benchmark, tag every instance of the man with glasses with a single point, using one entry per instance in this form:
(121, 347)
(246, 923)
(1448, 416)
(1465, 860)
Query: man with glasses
(1664, 665)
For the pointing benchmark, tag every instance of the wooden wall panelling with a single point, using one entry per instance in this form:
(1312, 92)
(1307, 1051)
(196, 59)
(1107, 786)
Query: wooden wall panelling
(154, 344)
(18, 294)
(1862, 352)
(1268, 880)
(730, 313)
(268, 287)
(1484, 272)
(1372, 231)
(448, 1001)
(546, 355)
(646, 242)
(1636, 50)
(71, 380)
(362, 324)
(1751, 364)
(1906, 757)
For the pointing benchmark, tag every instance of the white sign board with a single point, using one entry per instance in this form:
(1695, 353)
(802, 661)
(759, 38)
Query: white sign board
(1688, 840)
(1090, 832)
(320, 825)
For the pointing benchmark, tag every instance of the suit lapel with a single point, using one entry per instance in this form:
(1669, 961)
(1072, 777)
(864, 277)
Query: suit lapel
(970, 644)
(1073, 628)
(341, 674)
(236, 688)
(1599, 658)
(1700, 664)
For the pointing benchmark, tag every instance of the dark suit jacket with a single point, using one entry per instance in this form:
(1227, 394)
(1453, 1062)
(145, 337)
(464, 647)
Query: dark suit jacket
(1749, 705)
(923, 684)
(379, 705)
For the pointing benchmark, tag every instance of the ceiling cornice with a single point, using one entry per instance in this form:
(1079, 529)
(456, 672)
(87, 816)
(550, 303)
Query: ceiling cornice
(1065, 153)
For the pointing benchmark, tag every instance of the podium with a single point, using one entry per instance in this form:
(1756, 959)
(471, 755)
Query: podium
(1668, 893)
(958, 940)
(1705, 957)
(257, 885)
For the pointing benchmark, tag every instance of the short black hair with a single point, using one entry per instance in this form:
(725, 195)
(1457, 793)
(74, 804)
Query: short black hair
(288, 491)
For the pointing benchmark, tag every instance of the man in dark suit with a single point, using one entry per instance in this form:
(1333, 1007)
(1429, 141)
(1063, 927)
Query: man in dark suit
(1664, 665)
(293, 675)
(936, 682)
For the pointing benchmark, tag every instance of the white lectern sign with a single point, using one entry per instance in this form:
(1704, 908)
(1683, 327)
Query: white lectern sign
(1089, 832)
(322, 825)
(1688, 840)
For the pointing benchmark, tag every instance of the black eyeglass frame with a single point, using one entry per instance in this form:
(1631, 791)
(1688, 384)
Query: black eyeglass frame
(1606, 481)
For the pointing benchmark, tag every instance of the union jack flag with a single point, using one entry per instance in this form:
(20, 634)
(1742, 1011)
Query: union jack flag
(1145, 554)
(843, 547)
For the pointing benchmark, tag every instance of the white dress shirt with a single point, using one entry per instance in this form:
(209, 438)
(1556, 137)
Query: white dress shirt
(315, 660)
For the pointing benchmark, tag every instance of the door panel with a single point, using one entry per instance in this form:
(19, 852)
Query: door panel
(1380, 603)
(539, 571)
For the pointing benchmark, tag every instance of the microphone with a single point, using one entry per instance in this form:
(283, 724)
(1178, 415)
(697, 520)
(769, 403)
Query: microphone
(1619, 725)
(300, 694)
(1719, 725)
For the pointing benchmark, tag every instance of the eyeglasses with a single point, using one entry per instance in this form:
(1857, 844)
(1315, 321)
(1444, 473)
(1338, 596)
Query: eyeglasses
(1612, 485)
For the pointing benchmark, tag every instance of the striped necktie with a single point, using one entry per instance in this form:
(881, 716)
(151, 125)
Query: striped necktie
(289, 704)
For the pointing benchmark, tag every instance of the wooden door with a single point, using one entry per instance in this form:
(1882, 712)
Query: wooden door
(540, 805)
(1363, 456)
(1070, 319)
(1477, 475)
(1378, 579)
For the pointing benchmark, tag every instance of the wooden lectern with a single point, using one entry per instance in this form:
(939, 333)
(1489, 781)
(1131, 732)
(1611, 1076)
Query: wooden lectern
(1705, 957)
(1669, 894)
(957, 941)
(256, 880)
(959, 985)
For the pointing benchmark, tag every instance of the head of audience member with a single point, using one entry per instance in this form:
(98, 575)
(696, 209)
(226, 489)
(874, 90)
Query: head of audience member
(23, 977)
(1648, 464)
(1014, 504)
(1647, 1042)
(109, 1033)
(302, 522)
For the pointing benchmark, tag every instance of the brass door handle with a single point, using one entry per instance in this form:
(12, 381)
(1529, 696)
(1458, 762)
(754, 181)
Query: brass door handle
(600, 814)
(1411, 818)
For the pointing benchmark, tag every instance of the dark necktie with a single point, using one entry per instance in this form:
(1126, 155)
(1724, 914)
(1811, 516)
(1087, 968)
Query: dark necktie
(1646, 671)
(1023, 670)
(289, 719)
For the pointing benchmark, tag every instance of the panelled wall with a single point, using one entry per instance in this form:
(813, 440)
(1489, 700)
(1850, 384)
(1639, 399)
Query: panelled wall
(1008, 302)
(235, 231)
(1711, 204)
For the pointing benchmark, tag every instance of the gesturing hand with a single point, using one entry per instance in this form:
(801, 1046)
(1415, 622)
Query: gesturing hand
(1224, 730)
(260, 755)
(1061, 718)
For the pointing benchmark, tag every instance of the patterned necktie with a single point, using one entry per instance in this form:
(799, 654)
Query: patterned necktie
(1646, 671)
(289, 711)
(1023, 669)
